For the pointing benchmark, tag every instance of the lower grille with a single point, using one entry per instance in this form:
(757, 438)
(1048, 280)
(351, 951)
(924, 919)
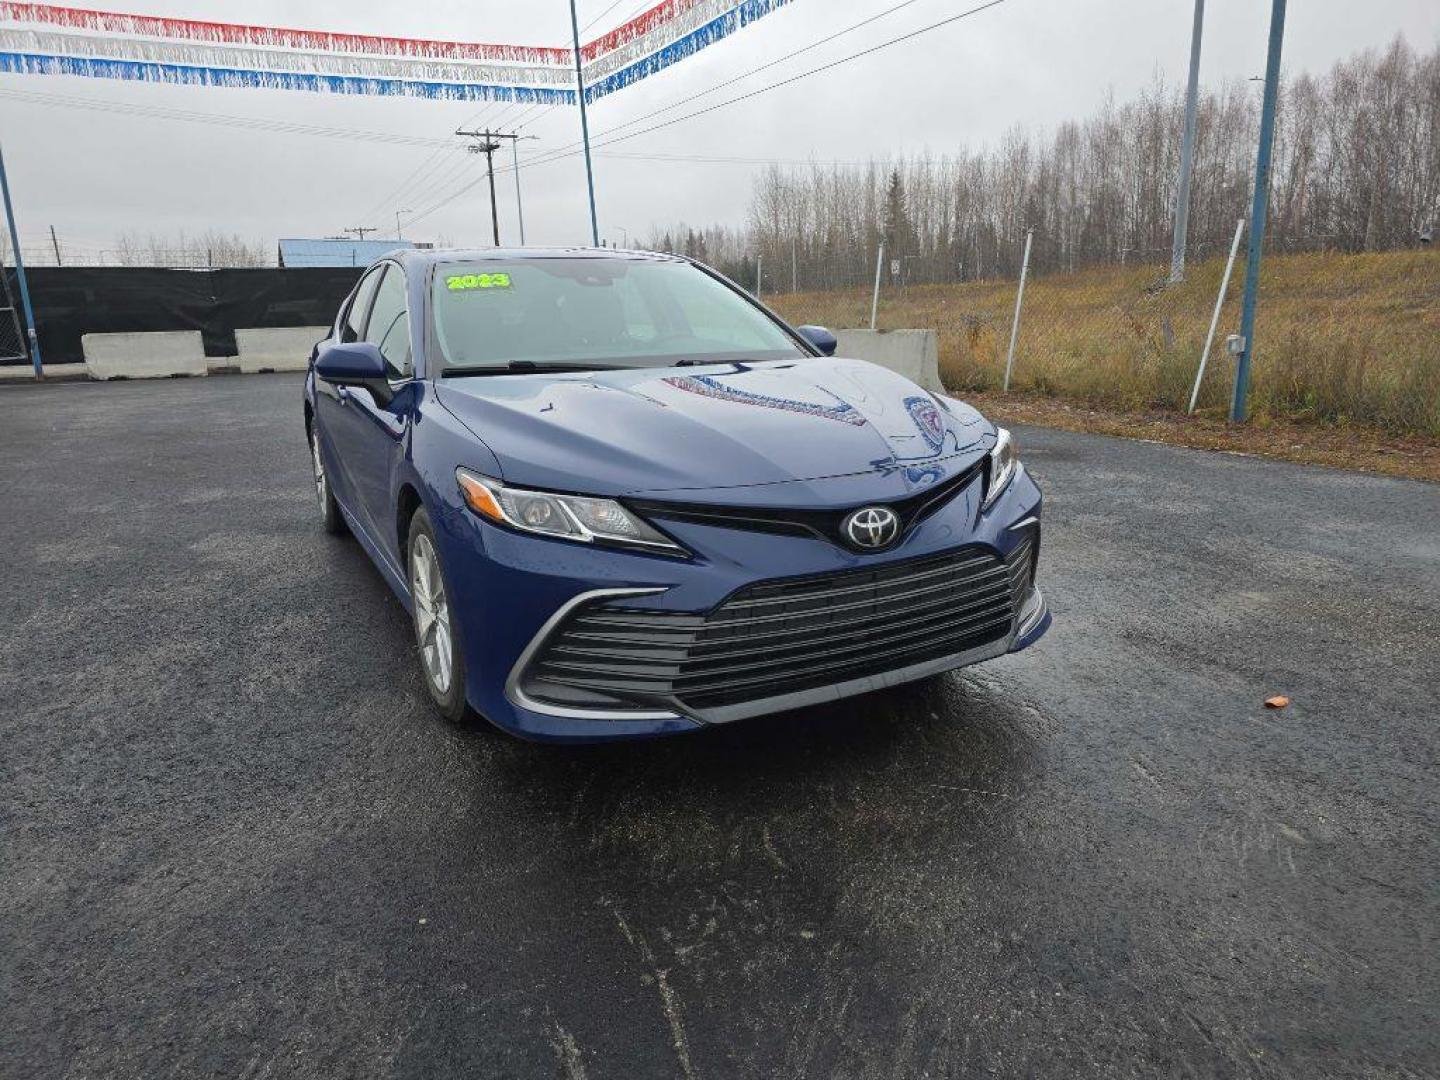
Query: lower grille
(782, 637)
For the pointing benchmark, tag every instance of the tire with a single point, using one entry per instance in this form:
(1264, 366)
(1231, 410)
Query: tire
(442, 663)
(330, 516)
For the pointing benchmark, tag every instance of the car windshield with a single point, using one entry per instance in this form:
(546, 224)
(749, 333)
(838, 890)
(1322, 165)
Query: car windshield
(600, 312)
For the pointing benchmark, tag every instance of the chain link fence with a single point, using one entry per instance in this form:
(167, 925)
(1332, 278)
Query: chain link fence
(13, 346)
(1350, 339)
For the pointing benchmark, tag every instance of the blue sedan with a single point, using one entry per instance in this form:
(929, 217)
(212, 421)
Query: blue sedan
(621, 498)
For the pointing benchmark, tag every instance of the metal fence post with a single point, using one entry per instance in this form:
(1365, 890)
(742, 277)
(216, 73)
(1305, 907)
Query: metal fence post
(759, 274)
(20, 275)
(875, 299)
(1215, 319)
(1019, 302)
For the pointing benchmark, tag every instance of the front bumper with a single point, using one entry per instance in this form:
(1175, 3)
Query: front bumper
(514, 593)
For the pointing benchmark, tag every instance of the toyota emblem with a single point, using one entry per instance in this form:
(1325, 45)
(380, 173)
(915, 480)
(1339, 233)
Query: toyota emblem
(872, 528)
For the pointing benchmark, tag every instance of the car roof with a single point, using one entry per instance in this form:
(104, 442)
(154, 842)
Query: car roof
(425, 257)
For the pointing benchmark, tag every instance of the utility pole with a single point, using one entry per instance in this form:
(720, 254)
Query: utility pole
(54, 243)
(398, 234)
(20, 274)
(487, 142)
(1240, 401)
(360, 231)
(1187, 150)
(584, 126)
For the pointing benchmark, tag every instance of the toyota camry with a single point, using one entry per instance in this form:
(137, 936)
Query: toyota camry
(620, 498)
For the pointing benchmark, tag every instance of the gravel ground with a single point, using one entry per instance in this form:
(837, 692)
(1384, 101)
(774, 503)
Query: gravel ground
(234, 841)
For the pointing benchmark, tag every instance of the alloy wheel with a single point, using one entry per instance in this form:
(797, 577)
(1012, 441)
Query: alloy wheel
(432, 613)
(320, 479)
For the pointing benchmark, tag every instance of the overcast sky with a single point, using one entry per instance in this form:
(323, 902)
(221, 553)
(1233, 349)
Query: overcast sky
(95, 174)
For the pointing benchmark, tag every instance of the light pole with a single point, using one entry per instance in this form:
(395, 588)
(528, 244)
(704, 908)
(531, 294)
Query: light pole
(1240, 401)
(1187, 150)
(398, 234)
(624, 234)
(20, 275)
(515, 161)
(584, 126)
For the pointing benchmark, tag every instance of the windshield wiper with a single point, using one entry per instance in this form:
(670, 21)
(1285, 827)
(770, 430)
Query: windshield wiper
(521, 367)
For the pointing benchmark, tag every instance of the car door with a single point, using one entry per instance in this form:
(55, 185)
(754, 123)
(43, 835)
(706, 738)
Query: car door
(375, 426)
(334, 418)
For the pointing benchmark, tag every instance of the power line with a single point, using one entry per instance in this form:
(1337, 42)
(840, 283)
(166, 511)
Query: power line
(434, 162)
(222, 119)
(394, 196)
(753, 71)
(530, 115)
(561, 155)
(558, 155)
(700, 159)
(602, 15)
(441, 148)
(454, 165)
(426, 186)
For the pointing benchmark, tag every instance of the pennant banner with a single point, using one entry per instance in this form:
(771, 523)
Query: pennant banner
(239, 34)
(655, 54)
(48, 39)
(646, 22)
(188, 75)
(99, 47)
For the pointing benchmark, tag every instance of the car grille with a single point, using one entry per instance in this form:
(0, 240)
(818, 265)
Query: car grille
(825, 524)
(781, 637)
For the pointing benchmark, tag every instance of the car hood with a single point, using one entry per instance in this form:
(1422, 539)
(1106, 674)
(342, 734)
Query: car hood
(671, 431)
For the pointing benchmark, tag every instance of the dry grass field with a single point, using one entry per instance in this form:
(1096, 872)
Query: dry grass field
(1342, 340)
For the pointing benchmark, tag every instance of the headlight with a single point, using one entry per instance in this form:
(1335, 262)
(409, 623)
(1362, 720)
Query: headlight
(571, 517)
(1004, 461)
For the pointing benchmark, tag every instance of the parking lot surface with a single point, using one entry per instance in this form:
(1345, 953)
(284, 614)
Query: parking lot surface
(234, 841)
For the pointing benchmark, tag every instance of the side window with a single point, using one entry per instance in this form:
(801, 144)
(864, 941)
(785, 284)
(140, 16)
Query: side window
(353, 323)
(389, 326)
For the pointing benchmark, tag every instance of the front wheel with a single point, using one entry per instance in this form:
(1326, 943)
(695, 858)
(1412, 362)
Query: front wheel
(435, 634)
(329, 509)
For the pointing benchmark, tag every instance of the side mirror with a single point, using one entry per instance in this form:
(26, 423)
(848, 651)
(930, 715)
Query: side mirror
(357, 363)
(821, 338)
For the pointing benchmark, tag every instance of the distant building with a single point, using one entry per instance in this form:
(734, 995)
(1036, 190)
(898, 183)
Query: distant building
(332, 252)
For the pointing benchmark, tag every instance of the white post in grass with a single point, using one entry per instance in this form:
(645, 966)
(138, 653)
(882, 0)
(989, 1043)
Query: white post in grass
(875, 299)
(1019, 301)
(1215, 319)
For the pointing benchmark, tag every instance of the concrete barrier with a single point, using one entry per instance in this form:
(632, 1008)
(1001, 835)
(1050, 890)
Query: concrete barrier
(144, 356)
(277, 349)
(912, 353)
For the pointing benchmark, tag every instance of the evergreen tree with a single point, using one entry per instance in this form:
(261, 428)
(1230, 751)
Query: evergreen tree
(896, 226)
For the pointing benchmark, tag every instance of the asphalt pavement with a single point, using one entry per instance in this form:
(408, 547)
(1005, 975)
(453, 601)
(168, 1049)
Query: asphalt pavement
(235, 842)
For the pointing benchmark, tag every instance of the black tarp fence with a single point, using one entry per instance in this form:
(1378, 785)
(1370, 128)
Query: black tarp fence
(70, 301)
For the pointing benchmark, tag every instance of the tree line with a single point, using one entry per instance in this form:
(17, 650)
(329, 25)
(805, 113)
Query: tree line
(1356, 168)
